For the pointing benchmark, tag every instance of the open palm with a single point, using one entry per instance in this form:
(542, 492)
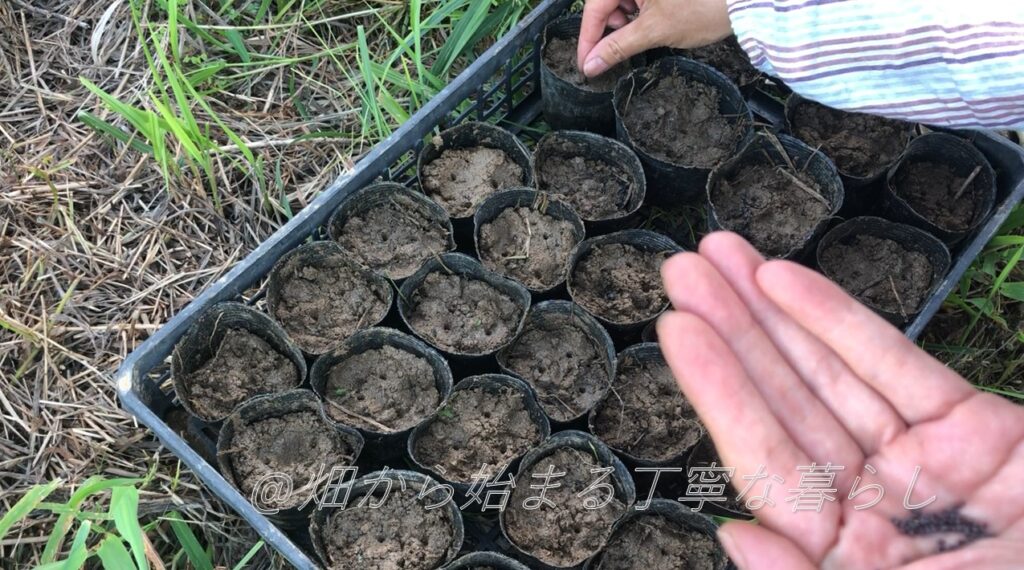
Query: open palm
(786, 371)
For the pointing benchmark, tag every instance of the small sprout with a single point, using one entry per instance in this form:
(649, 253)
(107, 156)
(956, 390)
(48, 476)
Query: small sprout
(340, 392)
(446, 413)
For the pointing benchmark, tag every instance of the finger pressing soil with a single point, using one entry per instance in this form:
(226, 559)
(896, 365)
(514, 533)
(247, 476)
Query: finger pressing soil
(774, 208)
(934, 191)
(728, 57)
(563, 363)
(244, 366)
(322, 305)
(649, 542)
(295, 444)
(394, 237)
(860, 145)
(400, 534)
(563, 531)
(620, 283)
(460, 178)
(560, 57)
(880, 272)
(527, 245)
(464, 315)
(595, 188)
(382, 390)
(645, 415)
(477, 433)
(678, 121)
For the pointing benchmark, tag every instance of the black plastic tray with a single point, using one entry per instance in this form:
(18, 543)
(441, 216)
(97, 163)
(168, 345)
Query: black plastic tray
(503, 86)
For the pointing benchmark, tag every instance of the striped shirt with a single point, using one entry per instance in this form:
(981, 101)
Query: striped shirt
(957, 63)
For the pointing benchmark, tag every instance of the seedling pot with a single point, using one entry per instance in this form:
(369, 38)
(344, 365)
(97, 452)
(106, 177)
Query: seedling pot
(642, 240)
(374, 301)
(619, 478)
(496, 386)
(430, 491)
(964, 161)
(476, 560)
(383, 443)
(726, 56)
(535, 353)
(668, 181)
(822, 184)
(908, 237)
(203, 341)
(703, 455)
(614, 172)
(282, 405)
(416, 212)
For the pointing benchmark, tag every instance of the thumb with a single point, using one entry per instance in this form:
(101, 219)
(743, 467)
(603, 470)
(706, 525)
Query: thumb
(753, 547)
(618, 46)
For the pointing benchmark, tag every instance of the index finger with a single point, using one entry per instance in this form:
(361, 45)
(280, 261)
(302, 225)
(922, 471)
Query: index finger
(595, 20)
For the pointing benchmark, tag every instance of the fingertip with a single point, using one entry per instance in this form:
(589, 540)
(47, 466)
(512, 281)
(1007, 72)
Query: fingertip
(617, 20)
(723, 243)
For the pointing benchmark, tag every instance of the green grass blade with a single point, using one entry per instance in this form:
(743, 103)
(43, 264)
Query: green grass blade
(124, 509)
(114, 555)
(25, 505)
(196, 77)
(91, 486)
(99, 125)
(189, 543)
(79, 551)
(172, 27)
(461, 35)
(238, 44)
(249, 555)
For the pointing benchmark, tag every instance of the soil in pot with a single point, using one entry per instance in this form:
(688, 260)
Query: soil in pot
(244, 366)
(880, 272)
(464, 315)
(564, 365)
(460, 178)
(322, 305)
(477, 432)
(560, 57)
(937, 193)
(645, 415)
(773, 207)
(860, 145)
(620, 283)
(528, 246)
(399, 534)
(394, 238)
(728, 57)
(678, 121)
(594, 188)
(382, 390)
(295, 444)
(648, 542)
(562, 532)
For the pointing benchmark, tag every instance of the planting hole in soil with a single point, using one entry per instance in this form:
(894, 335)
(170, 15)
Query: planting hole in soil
(562, 531)
(391, 229)
(862, 146)
(321, 297)
(528, 237)
(565, 355)
(389, 525)
(644, 415)
(672, 538)
(560, 57)
(599, 177)
(483, 427)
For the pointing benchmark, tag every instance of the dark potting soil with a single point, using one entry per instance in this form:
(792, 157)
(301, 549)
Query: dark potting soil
(620, 283)
(527, 245)
(859, 144)
(645, 414)
(477, 433)
(463, 315)
(323, 305)
(560, 57)
(459, 179)
(243, 366)
(933, 190)
(596, 189)
(678, 121)
(650, 542)
(563, 364)
(767, 206)
(563, 531)
(880, 272)
(295, 444)
(400, 534)
(382, 390)
(728, 57)
(395, 237)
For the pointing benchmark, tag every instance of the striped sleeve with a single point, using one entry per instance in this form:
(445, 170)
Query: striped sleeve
(956, 63)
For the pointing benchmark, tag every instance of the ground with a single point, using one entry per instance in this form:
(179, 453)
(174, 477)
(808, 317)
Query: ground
(146, 146)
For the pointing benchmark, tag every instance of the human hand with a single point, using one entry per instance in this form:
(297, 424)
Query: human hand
(659, 23)
(785, 369)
